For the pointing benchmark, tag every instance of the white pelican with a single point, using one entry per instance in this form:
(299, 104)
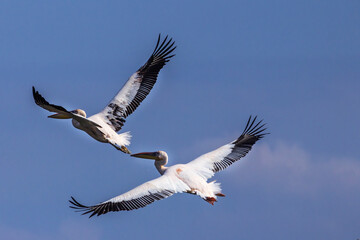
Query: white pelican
(189, 178)
(104, 125)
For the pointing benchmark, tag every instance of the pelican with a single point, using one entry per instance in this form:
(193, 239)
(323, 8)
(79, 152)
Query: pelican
(181, 178)
(104, 125)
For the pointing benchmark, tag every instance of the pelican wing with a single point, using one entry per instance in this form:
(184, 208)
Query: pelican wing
(139, 197)
(138, 86)
(41, 102)
(223, 157)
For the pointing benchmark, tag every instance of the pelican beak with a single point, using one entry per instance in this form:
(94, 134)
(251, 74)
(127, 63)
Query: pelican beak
(147, 155)
(59, 116)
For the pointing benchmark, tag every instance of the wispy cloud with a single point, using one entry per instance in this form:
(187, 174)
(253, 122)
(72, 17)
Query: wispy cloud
(290, 168)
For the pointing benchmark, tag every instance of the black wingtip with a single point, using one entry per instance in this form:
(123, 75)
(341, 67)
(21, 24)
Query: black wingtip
(36, 95)
(160, 56)
(253, 132)
(77, 205)
(80, 207)
(33, 92)
(157, 43)
(165, 48)
(38, 98)
(253, 129)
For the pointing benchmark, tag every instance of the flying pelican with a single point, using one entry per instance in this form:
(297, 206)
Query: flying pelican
(189, 178)
(104, 125)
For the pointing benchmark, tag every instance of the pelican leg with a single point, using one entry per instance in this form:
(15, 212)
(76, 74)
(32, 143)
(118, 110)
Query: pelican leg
(125, 150)
(210, 200)
(121, 148)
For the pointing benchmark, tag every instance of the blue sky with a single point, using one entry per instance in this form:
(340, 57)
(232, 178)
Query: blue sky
(294, 63)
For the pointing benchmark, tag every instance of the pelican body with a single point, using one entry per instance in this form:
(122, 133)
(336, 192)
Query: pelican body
(181, 178)
(192, 181)
(104, 125)
(103, 134)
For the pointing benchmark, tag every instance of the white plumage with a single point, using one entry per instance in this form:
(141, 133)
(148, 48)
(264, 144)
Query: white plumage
(189, 178)
(104, 125)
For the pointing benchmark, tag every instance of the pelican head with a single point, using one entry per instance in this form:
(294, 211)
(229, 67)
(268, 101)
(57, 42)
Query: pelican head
(66, 116)
(157, 156)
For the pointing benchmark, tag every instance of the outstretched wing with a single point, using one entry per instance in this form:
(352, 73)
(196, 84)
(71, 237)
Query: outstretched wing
(139, 197)
(41, 102)
(221, 158)
(138, 86)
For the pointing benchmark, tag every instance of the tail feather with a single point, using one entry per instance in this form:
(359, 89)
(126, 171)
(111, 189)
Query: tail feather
(125, 138)
(215, 187)
(121, 141)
